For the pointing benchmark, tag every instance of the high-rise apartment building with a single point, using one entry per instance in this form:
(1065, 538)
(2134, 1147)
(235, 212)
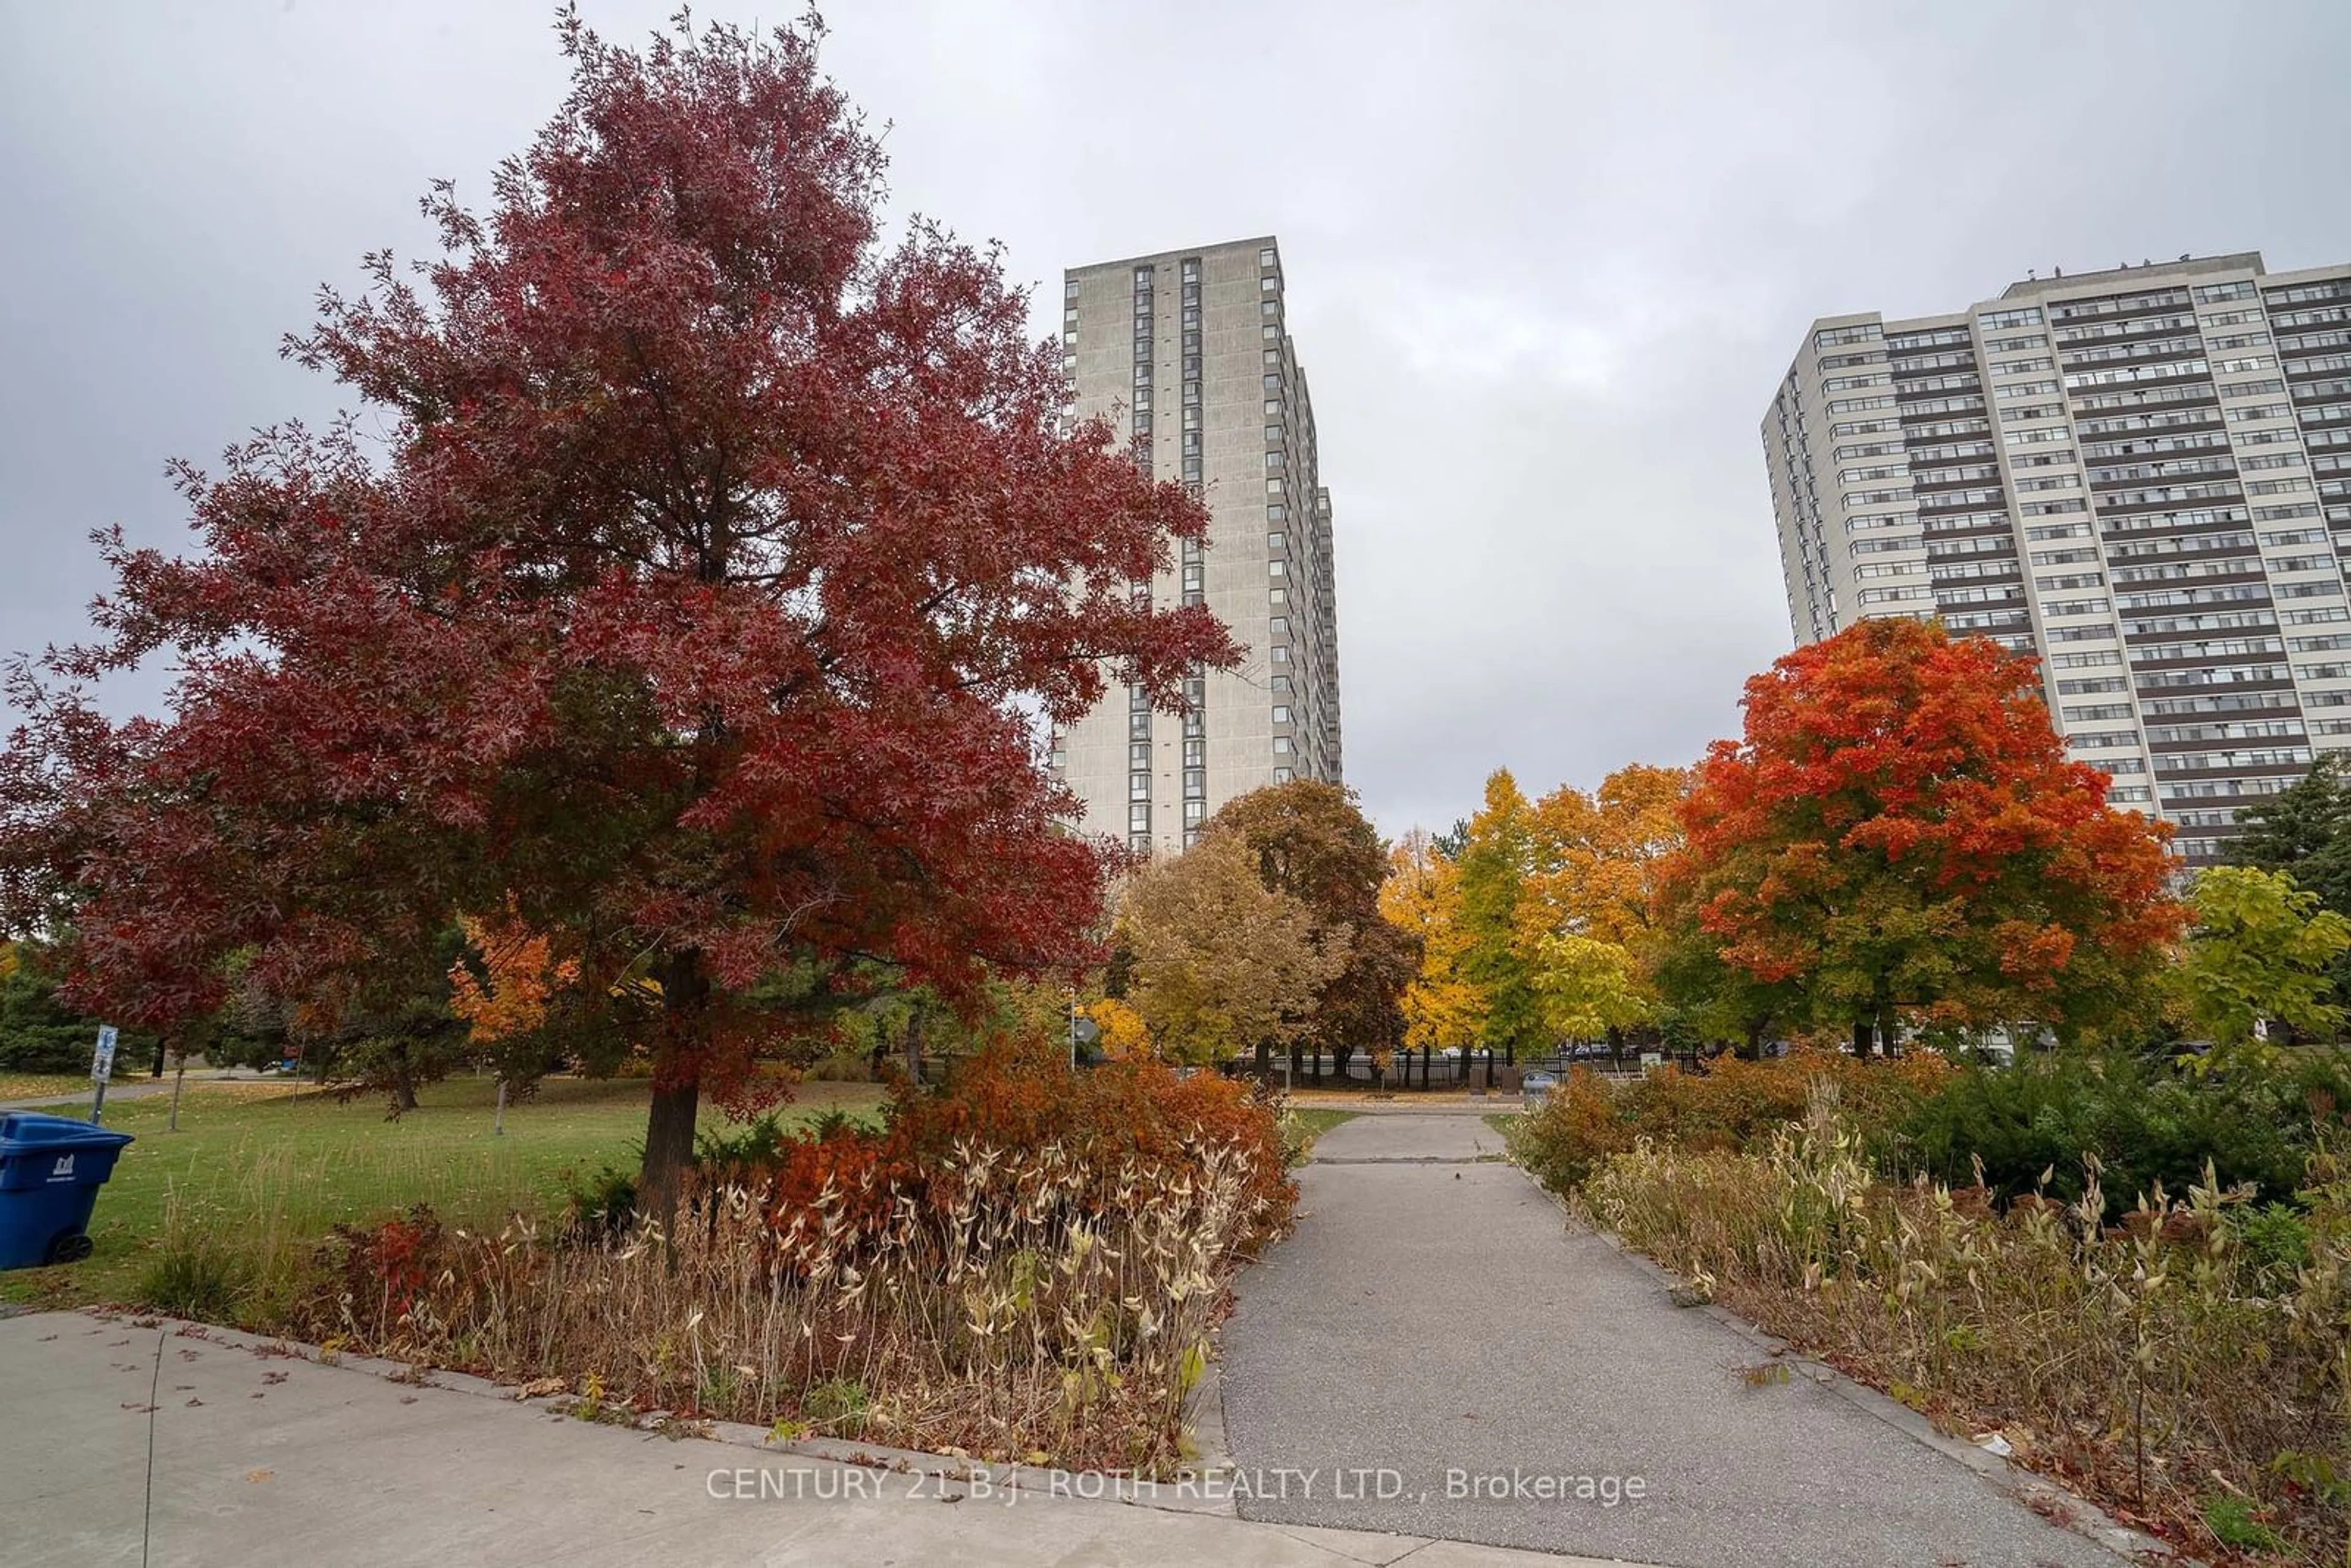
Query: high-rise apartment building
(2142, 476)
(1188, 352)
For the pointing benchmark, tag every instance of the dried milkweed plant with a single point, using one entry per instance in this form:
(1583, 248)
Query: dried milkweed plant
(1021, 1304)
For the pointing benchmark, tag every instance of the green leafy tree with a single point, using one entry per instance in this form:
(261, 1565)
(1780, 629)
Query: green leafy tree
(1591, 988)
(1495, 859)
(38, 1033)
(2260, 948)
(2304, 831)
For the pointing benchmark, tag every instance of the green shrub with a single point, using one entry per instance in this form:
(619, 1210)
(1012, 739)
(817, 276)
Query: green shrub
(757, 1145)
(2146, 1121)
(601, 1204)
(2276, 1242)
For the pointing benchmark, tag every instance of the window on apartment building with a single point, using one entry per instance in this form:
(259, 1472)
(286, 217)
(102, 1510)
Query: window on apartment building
(1284, 775)
(1281, 713)
(1265, 257)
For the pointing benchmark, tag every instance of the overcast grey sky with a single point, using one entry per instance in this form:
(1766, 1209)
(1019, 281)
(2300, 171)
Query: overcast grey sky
(1546, 262)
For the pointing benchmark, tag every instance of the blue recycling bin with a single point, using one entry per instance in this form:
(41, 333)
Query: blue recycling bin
(50, 1170)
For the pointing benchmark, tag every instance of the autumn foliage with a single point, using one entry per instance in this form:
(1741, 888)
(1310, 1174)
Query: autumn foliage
(1442, 1006)
(1020, 1098)
(1899, 835)
(520, 972)
(697, 581)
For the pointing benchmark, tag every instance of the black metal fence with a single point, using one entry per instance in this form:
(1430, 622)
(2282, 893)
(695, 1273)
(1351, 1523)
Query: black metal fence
(1433, 1071)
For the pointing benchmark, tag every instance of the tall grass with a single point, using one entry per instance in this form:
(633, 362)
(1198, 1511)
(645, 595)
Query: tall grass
(1024, 1311)
(2192, 1361)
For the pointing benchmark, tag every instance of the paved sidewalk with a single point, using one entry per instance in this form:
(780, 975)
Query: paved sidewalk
(139, 1086)
(244, 1458)
(1434, 1315)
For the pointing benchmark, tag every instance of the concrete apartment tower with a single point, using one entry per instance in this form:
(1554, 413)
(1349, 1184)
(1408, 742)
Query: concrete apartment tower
(1189, 352)
(2142, 476)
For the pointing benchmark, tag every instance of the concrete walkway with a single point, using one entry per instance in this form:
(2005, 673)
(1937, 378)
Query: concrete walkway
(127, 1445)
(1435, 1324)
(139, 1086)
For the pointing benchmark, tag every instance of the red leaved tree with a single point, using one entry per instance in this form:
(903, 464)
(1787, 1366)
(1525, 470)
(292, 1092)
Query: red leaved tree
(1899, 836)
(692, 589)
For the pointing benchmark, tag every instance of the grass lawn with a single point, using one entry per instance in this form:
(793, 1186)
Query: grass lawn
(1320, 1119)
(1503, 1121)
(282, 1161)
(33, 1085)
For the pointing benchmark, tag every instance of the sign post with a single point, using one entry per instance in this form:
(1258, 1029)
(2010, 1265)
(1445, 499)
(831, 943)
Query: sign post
(102, 1068)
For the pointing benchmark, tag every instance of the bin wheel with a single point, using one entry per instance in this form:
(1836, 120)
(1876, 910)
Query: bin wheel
(71, 1248)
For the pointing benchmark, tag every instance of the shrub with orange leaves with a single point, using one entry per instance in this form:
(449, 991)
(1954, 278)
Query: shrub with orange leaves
(1021, 1097)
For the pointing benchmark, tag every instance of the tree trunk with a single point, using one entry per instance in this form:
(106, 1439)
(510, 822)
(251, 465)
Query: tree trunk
(677, 1089)
(1862, 1033)
(1426, 1052)
(1264, 1059)
(669, 1149)
(157, 1071)
(1510, 1053)
(915, 1045)
(1885, 1032)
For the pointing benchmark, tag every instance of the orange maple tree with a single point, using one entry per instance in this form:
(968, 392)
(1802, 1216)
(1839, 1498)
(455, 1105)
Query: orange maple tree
(1898, 837)
(522, 973)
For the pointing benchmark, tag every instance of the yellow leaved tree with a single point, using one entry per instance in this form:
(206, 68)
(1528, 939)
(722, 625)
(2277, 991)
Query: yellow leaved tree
(1422, 896)
(1585, 920)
